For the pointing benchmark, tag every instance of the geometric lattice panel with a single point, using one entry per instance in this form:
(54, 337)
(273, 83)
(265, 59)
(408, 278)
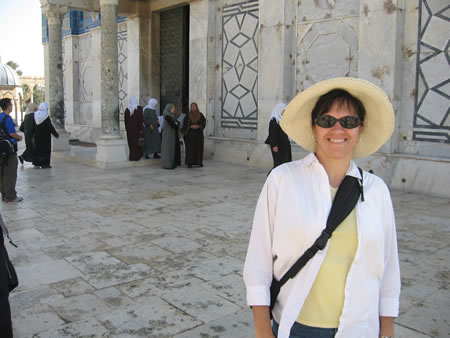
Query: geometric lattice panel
(432, 106)
(122, 38)
(240, 66)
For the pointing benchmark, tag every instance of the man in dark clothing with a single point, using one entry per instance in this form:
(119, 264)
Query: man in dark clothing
(8, 165)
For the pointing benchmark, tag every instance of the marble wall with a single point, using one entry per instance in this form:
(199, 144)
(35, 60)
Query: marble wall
(246, 56)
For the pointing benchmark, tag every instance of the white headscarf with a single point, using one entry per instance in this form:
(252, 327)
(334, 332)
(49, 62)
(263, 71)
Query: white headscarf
(133, 103)
(276, 112)
(41, 114)
(151, 104)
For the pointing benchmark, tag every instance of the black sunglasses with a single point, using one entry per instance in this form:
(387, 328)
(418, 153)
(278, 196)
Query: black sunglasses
(347, 122)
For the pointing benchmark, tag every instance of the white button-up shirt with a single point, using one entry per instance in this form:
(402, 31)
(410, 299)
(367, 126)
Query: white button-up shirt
(291, 212)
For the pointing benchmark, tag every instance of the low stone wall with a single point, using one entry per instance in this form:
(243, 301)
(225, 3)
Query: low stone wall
(400, 171)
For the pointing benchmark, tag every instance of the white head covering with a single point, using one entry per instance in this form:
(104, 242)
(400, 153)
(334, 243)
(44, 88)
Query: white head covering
(41, 114)
(133, 103)
(276, 112)
(151, 104)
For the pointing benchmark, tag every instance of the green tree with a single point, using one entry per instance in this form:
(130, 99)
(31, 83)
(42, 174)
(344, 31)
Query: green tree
(15, 66)
(38, 94)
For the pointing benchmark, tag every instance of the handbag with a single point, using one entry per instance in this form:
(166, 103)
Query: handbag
(344, 202)
(13, 280)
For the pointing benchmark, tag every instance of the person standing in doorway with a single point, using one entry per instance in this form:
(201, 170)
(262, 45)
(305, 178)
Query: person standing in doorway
(27, 127)
(8, 165)
(193, 126)
(279, 143)
(152, 138)
(43, 132)
(170, 146)
(134, 125)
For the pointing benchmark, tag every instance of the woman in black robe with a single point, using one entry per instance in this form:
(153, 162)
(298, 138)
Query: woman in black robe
(43, 132)
(279, 143)
(27, 127)
(193, 126)
(170, 145)
(134, 125)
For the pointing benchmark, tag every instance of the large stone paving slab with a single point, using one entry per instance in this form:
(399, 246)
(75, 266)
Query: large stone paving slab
(154, 318)
(34, 275)
(88, 328)
(200, 303)
(154, 253)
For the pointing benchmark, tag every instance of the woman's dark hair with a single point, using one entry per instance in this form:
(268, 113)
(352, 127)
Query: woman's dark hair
(341, 97)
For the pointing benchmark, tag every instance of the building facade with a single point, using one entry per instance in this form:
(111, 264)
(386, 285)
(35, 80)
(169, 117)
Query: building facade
(238, 59)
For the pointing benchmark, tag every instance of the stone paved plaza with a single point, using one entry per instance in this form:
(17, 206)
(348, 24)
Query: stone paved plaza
(147, 252)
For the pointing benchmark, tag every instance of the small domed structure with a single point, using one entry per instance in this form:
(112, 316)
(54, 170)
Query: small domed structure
(8, 76)
(11, 87)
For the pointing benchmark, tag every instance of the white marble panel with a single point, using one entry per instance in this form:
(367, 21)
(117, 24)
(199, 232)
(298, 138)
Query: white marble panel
(325, 9)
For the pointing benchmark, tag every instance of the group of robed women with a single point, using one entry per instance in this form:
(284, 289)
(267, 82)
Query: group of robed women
(311, 278)
(37, 128)
(144, 138)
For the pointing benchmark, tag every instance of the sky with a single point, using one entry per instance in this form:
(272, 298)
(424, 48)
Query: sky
(21, 35)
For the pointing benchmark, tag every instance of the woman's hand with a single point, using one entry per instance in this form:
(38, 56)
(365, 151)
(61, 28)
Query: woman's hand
(387, 326)
(261, 317)
(275, 149)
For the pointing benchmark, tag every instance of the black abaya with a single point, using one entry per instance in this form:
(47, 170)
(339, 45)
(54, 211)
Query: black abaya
(278, 138)
(43, 142)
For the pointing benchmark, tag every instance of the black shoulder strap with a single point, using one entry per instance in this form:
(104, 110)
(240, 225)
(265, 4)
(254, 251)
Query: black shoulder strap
(344, 202)
(3, 123)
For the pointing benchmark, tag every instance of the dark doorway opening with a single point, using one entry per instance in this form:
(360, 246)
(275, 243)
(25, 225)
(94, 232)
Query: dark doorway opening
(174, 67)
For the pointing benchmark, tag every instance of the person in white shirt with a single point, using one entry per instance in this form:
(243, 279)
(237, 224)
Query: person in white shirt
(351, 288)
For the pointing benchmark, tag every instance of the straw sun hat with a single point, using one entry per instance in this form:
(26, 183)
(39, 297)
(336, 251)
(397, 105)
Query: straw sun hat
(378, 122)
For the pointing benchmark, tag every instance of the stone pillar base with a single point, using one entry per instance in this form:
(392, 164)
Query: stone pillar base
(62, 142)
(111, 150)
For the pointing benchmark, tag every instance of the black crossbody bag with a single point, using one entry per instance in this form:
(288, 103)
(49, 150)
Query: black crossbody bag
(344, 202)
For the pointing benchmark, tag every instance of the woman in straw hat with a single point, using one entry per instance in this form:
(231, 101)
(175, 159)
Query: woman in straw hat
(351, 287)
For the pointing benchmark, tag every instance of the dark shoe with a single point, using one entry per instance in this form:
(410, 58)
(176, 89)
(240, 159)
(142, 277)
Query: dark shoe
(156, 156)
(20, 159)
(17, 199)
(147, 157)
(201, 165)
(46, 166)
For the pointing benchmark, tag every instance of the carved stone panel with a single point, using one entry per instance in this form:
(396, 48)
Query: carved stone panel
(432, 106)
(240, 66)
(327, 41)
(122, 57)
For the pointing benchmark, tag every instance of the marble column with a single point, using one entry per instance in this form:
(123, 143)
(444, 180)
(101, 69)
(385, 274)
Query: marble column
(55, 99)
(381, 31)
(111, 147)
(275, 83)
(202, 59)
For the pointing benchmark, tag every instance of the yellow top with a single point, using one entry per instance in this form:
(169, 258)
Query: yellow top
(324, 303)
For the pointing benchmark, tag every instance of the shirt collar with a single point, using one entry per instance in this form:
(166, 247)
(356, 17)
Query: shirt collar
(312, 159)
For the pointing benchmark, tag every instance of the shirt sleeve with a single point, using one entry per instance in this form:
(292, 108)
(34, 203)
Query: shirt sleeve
(259, 261)
(390, 283)
(9, 124)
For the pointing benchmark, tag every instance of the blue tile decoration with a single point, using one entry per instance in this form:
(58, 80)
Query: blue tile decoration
(432, 103)
(240, 66)
(76, 23)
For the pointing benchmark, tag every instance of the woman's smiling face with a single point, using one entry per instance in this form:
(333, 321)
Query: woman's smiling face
(337, 142)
